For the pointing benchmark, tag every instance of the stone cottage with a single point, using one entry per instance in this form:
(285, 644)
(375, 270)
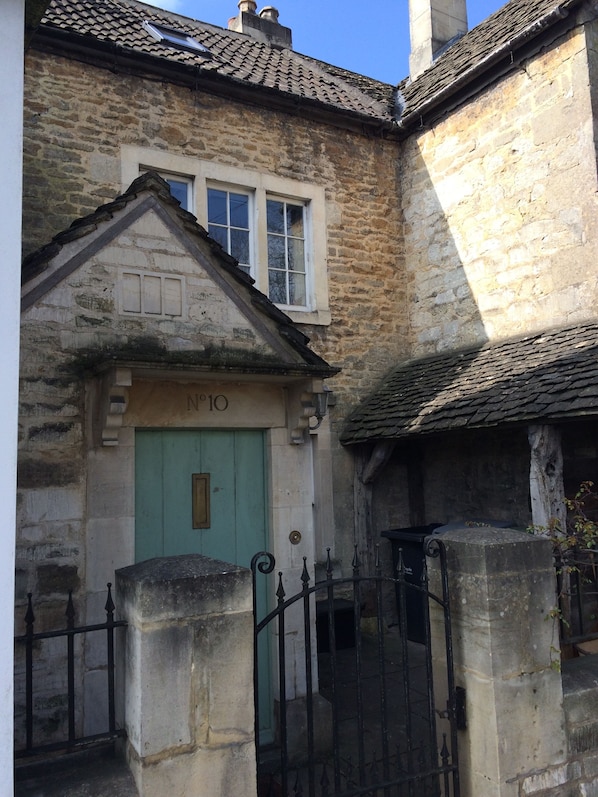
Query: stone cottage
(421, 255)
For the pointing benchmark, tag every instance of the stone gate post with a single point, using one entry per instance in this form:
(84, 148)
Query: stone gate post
(502, 589)
(188, 685)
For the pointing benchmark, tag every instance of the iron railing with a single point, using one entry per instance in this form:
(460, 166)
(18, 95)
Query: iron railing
(577, 585)
(30, 641)
(383, 735)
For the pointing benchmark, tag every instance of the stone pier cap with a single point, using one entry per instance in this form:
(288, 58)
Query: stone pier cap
(191, 585)
(484, 549)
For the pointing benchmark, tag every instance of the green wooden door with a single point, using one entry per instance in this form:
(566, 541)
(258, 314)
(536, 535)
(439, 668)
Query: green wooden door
(231, 464)
(229, 524)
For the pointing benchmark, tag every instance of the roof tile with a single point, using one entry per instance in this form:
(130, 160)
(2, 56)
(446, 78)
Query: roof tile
(233, 55)
(240, 57)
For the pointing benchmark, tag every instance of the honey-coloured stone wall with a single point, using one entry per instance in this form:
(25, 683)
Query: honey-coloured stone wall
(77, 119)
(500, 208)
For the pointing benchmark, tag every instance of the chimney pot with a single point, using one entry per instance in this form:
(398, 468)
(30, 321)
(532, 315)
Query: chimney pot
(270, 13)
(247, 6)
(264, 26)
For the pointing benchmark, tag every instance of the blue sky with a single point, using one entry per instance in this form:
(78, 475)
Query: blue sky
(370, 37)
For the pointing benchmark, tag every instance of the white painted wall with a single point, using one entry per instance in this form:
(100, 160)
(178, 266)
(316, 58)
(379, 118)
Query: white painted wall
(11, 147)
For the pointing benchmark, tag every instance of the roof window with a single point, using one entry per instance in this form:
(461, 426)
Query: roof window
(177, 38)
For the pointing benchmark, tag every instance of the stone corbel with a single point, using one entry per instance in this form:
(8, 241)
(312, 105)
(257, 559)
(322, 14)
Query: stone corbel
(114, 399)
(308, 409)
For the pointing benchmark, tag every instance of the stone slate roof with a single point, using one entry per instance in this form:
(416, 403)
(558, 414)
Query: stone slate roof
(549, 376)
(239, 58)
(496, 40)
(291, 340)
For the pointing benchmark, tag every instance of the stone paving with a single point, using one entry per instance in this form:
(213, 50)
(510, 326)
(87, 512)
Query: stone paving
(99, 775)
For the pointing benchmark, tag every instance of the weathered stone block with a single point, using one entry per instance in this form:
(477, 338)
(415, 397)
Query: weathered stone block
(53, 578)
(183, 586)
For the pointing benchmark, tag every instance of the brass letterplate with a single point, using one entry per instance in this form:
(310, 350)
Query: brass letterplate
(201, 500)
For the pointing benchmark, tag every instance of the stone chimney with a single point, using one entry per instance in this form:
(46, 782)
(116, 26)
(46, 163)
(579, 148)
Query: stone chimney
(264, 26)
(433, 25)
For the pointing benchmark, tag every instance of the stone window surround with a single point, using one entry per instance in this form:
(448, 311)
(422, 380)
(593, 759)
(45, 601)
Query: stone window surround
(204, 173)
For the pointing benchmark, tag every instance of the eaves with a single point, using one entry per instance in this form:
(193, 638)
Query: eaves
(123, 60)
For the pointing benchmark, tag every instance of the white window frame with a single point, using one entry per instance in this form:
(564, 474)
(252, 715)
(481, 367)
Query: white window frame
(202, 174)
(251, 213)
(308, 266)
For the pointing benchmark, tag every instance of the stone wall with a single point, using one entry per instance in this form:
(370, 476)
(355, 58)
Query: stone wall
(77, 496)
(77, 117)
(462, 476)
(499, 207)
(577, 775)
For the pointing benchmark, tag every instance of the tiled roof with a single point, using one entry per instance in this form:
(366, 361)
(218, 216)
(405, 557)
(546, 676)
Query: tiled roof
(236, 56)
(248, 62)
(151, 184)
(548, 376)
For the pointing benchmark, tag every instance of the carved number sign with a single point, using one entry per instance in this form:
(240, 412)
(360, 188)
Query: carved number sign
(209, 401)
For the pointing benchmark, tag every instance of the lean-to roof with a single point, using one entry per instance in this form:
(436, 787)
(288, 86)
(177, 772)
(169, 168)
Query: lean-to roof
(548, 376)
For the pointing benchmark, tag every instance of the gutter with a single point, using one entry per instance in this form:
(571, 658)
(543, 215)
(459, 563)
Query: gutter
(506, 49)
(112, 56)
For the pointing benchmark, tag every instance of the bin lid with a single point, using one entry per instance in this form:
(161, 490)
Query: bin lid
(413, 533)
(473, 523)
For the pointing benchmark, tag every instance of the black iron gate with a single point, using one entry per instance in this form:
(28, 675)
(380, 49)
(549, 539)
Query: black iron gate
(364, 720)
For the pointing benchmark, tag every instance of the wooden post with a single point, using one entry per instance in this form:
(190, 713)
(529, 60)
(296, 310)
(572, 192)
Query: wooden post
(368, 465)
(362, 498)
(547, 490)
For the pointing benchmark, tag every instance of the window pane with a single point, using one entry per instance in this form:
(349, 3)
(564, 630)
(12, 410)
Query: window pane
(180, 190)
(276, 253)
(239, 245)
(275, 216)
(297, 289)
(296, 255)
(239, 211)
(295, 220)
(277, 287)
(219, 234)
(217, 206)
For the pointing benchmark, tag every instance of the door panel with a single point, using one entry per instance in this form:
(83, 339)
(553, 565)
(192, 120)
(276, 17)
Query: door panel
(165, 463)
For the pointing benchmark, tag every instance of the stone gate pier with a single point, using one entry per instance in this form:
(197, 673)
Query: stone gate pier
(187, 696)
(532, 727)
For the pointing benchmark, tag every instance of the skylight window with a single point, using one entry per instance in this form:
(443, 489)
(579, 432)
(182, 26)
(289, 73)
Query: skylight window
(178, 38)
